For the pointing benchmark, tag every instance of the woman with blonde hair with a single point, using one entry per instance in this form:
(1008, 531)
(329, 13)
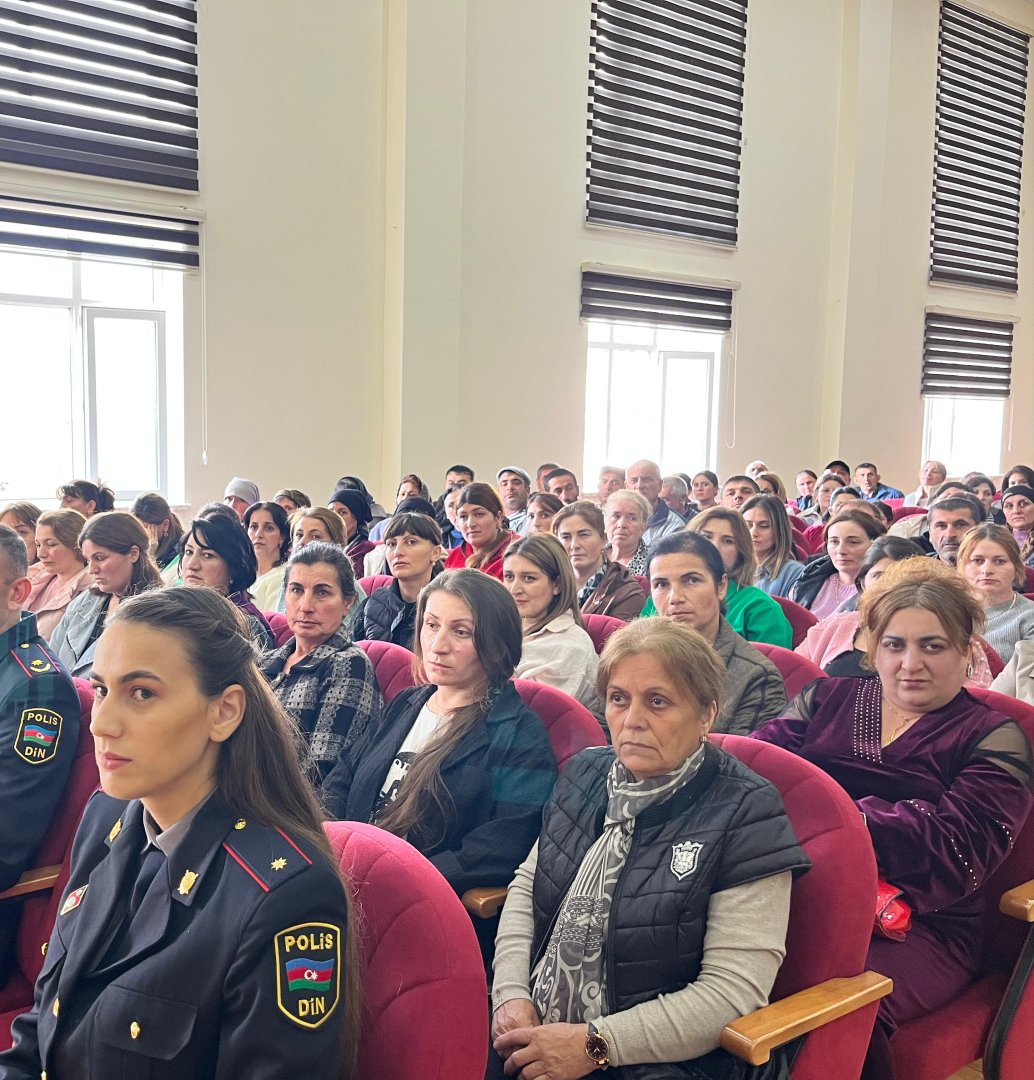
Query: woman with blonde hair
(770, 484)
(556, 647)
(62, 576)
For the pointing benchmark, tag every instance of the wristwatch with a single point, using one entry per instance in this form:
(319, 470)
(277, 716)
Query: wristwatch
(597, 1048)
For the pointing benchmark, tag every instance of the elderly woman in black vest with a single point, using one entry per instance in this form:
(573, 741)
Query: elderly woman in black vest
(652, 911)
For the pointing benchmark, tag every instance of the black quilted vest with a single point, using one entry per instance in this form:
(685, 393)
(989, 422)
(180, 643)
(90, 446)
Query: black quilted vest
(726, 827)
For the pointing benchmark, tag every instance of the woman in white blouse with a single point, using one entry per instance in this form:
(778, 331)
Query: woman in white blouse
(556, 650)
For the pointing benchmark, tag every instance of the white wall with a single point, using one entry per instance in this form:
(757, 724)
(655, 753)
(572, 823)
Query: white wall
(394, 197)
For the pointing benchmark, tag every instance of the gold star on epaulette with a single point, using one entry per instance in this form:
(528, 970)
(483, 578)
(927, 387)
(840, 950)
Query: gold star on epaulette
(278, 864)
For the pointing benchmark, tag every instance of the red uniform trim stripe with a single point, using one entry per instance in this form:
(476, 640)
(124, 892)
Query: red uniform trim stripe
(20, 664)
(295, 846)
(244, 866)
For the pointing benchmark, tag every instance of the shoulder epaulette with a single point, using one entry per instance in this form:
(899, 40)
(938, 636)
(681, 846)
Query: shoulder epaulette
(34, 659)
(267, 855)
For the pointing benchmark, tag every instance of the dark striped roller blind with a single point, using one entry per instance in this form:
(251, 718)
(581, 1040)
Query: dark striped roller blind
(981, 95)
(102, 87)
(61, 229)
(660, 303)
(965, 357)
(665, 103)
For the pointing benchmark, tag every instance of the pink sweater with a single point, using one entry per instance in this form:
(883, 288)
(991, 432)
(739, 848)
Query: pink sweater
(826, 640)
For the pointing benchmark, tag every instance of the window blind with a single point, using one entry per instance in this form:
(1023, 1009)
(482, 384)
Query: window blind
(964, 357)
(64, 229)
(981, 94)
(659, 303)
(665, 105)
(102, 87)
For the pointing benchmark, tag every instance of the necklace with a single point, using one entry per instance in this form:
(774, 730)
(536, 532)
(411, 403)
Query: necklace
(906, 719)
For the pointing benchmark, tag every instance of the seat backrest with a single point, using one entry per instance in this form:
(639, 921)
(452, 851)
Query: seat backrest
(797, 671)
(994, 661)
(831, 910)
(278, 624)
(569, 724)
(39, 912)
(600, 627)
(392, 667)
(375, 581)
(831, 905)
(801, 620)
(1004, 936)
(1028, 585)
(907, 511)
(425, 1006)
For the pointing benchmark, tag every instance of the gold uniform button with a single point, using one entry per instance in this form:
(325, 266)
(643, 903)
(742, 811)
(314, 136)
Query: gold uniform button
(43, 948)
(56, 1007)
(134, 1030)
(240, 823)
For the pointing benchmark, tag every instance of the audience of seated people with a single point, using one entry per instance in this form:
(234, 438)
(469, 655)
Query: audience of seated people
(461, 768)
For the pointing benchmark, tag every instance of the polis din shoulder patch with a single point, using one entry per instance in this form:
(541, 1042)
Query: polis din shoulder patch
(38, 735)
(308, 972)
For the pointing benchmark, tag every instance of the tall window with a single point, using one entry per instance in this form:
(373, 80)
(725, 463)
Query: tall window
(650, 391)
(967, 375)
(665, 107)
(92, 355)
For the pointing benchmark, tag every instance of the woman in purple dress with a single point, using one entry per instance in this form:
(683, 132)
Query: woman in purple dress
(944, 782)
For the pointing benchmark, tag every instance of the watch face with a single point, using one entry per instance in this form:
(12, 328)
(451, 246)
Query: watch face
(597, 1049)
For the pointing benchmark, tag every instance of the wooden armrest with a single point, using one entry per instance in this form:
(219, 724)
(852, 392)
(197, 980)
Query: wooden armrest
(39, 879)
(484, 903)
(752, 1038)
(1019, 902)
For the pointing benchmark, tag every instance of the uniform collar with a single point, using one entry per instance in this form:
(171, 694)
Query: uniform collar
(23, 631)
(192, 853)
(167, 840)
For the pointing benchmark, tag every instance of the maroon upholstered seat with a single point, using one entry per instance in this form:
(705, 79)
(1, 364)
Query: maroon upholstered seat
(801, 620)
(278, 624)
(831, 906)
(375, 581)
(994, 1017)
(40, 908)
(797, 671)
(569, 724)
(600, 627)
(425, 999)
(392, 666)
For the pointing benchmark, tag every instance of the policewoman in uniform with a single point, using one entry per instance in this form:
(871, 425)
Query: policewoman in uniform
(203, 933)
(39, 730)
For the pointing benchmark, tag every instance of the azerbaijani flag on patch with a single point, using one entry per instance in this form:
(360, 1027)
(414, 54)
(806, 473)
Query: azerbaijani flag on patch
(305, 974)
(38, 735)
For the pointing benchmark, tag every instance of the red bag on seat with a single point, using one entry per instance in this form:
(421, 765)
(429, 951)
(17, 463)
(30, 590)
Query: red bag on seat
(893, 917)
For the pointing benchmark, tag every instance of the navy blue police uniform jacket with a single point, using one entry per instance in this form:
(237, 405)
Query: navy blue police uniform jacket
(232, 966)
(39, 732)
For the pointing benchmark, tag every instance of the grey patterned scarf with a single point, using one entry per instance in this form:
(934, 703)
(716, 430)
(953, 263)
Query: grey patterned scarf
(568, 984)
